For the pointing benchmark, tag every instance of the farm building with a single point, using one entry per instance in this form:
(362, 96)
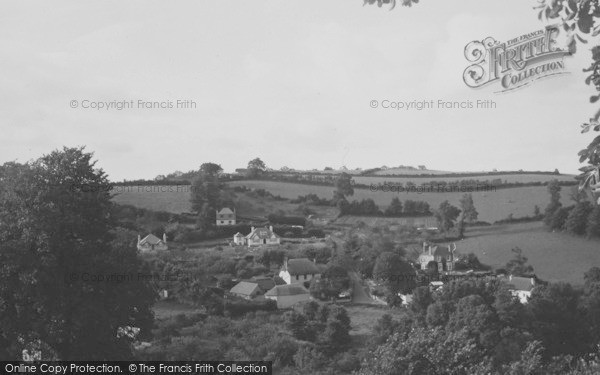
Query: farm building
(152, 243)
(288, 295)
(299, 270)
(257, 237)
(443, 256)
(226, 217)
(246, 290)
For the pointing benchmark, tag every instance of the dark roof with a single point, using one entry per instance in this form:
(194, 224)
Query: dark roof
(225, 211)
(442, 251)
(244, 288)
(262, 233)
(287, 290)
(264, 283)
(520, 283)
(302, 266)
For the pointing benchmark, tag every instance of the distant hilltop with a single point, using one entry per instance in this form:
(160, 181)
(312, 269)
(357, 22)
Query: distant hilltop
(420, 171)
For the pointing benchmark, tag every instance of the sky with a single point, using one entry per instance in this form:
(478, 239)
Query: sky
(290, 82)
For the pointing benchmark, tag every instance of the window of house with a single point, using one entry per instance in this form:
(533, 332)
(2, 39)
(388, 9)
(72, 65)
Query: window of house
(297, 277)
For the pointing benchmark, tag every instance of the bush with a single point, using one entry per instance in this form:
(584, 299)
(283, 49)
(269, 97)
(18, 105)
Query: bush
(237, 308)
(287, 220)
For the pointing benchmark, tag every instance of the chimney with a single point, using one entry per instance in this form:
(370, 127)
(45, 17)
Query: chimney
(251, 229)
(164, 237)
(139, 239)
(285, 263)
(271, 228)
(315, 260)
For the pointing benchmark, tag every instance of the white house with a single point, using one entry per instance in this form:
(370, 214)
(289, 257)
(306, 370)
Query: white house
(295, 271)
(443, 256)
(151, 243)
(520, 287)
(226, 217)
(288, 295)
(257, 237)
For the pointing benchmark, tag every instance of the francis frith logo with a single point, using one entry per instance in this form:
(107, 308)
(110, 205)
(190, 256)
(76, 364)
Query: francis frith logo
(517, 62)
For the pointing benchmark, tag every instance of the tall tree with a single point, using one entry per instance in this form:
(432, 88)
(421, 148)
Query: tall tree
(343, 187)
(395, 208)
(469, 213)
(446, 215)
(396, 274)
(206, 194)
(578, 218)
(58, 255)
(211, 169)
(593, 223)
(256, 167)
(554, 205)
(518, 266)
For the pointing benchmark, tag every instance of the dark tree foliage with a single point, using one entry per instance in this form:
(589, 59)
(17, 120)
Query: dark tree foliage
(518, 266)
(554, 205)
(206, 196)
(446, 215)
(343, 188)
(56, 241)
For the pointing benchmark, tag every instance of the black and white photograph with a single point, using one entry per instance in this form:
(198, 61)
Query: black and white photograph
(341, 187)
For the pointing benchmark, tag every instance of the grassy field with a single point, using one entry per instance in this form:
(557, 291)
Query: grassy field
(509, 178)
(176, 199)
(371, 221)
(554, 256)
(492, 206)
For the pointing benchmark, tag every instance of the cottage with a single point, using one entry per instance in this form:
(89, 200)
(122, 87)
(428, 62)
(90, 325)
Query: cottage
(287, 296)
(257, 237)
(520, 287)
(152, 243)
(299, 270)
(443, 256)
(226, 217)
(246, 290)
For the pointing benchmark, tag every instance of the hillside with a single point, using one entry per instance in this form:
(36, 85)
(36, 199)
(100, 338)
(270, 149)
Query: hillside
(492, 206)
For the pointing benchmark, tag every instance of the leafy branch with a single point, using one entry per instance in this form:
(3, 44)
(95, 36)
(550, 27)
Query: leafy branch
(392, 3)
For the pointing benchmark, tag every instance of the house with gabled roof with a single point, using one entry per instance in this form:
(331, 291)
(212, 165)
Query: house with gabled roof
(520, 287)
(152, 243)
(287, 296)
(226, 217)
(443, 256)
(257, 237)
(246, 290)
(300, 270)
